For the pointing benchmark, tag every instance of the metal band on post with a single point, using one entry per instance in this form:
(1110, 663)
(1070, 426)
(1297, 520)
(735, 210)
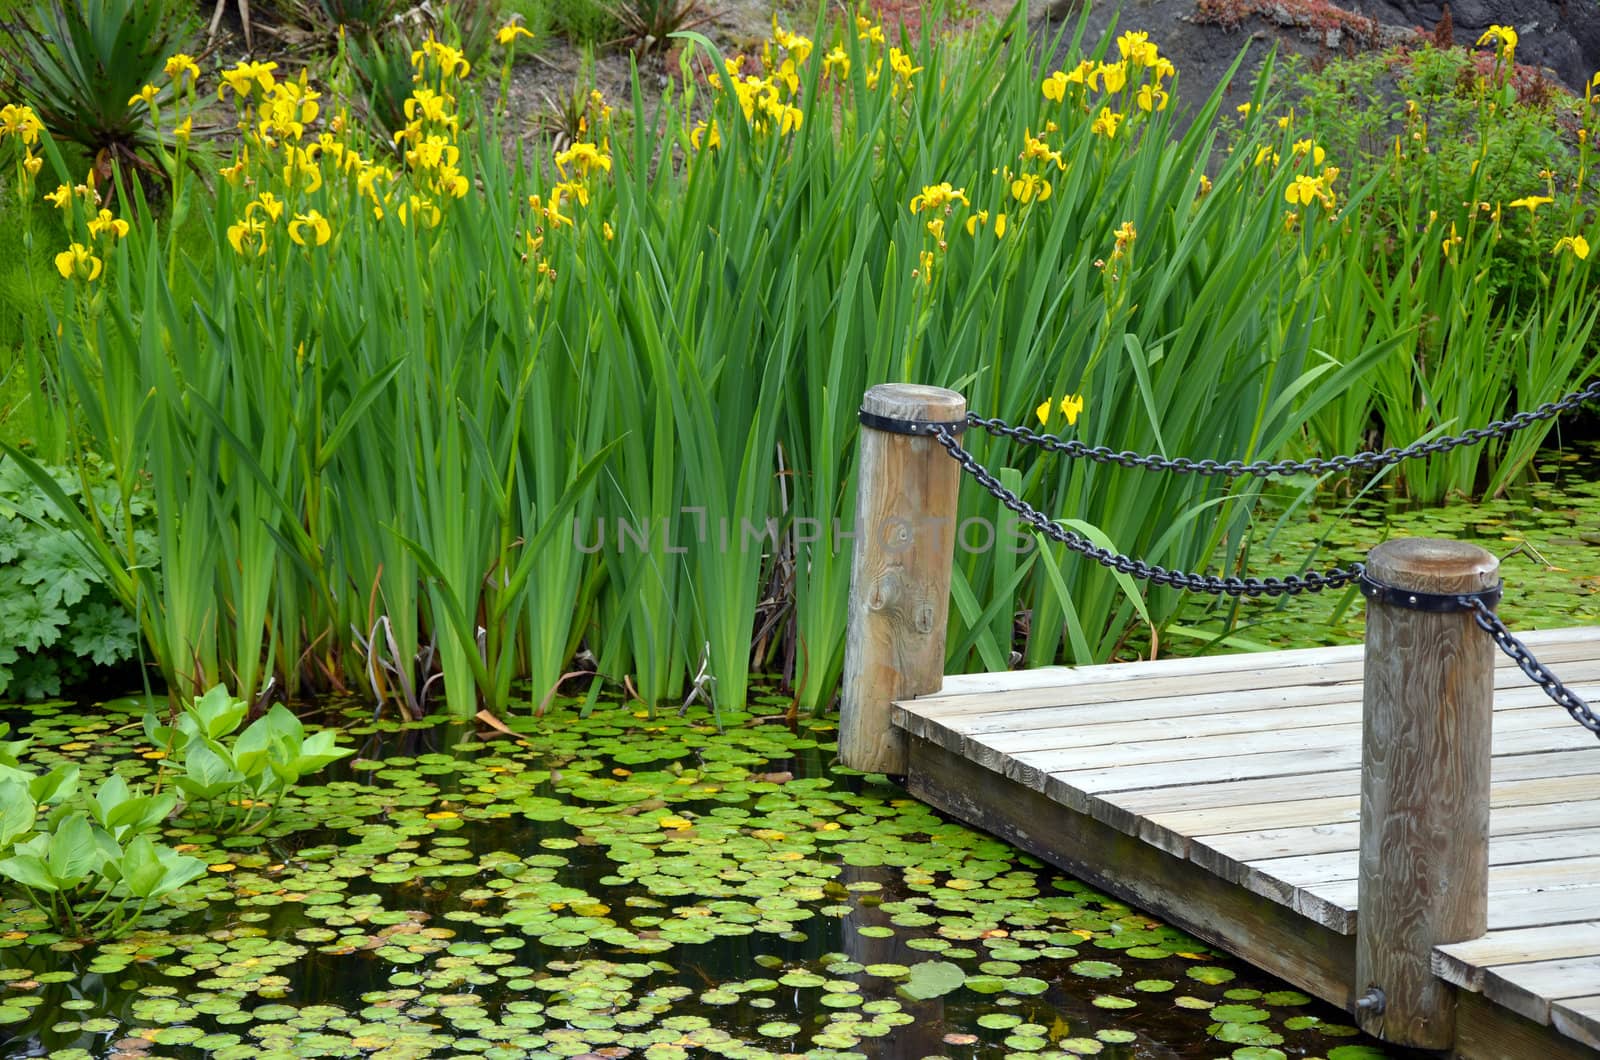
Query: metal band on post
(924, 428)
(1417, 600)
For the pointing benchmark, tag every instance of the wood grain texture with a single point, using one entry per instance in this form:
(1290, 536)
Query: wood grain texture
(1578, 1017)
(1428, 704)
(1233, 769)
(1466, 964)
(899, 574)
(1487, 1031)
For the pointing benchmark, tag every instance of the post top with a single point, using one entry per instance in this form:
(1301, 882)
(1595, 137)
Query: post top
(913, 401)
(1433, 565)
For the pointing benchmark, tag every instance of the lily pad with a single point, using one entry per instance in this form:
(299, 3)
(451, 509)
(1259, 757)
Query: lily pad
(932, 979)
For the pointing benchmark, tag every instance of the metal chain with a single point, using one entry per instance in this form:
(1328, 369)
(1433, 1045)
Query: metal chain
(1370, 460)
(1312, 582)
(1537, 672)
(1315, 581)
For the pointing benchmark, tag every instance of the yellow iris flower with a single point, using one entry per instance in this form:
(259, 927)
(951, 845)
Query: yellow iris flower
(1106, 124)
(248, 235)
(107, 224)
(78, 262)
(935, 196)
(1578, 245)
(1027, 188)
(311, 224)
(181, 66)
(1071, 407)
(508, 33)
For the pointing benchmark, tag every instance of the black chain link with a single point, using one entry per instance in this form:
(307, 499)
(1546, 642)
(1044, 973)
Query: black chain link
(1216, 585)
(1315, 581)
(1537, 672)
(1370, 460)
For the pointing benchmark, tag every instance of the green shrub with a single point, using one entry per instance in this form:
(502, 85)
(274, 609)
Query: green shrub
(581, 21)
(1475, 190)
(81, 64)
(63, 628)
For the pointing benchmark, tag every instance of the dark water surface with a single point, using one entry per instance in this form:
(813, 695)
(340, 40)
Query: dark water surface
(619, 886)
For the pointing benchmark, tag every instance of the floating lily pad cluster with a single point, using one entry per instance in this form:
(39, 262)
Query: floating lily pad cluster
(1547, 533)
(617, 886)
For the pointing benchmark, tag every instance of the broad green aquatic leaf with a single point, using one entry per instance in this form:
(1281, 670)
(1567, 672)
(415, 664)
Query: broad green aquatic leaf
(56, 786)
(217, 712)
(30, 870)
(17, 812)
(206, 773)
(151, 870)
(932, 979)
(75, 853)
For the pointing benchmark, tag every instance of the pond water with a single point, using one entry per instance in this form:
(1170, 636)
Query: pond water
(659, 887)
(619, 886)
(1546, 533)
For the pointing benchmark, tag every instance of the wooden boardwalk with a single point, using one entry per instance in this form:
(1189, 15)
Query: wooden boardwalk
(1223, 793)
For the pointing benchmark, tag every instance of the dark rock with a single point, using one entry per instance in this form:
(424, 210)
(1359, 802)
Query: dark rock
(1563, 35)
(1202, 37)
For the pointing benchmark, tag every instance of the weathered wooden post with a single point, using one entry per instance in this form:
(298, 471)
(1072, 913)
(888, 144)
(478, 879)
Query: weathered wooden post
(900, 574)
(1427, 699)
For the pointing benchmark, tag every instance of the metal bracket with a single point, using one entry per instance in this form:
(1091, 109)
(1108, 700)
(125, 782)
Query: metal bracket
(923, 428)
(1413, 600)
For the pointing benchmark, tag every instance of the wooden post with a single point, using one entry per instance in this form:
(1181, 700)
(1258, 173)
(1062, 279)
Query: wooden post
(900, 573)
(1427, 706)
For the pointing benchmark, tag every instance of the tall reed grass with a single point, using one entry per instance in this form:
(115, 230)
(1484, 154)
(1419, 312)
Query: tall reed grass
(435, 421)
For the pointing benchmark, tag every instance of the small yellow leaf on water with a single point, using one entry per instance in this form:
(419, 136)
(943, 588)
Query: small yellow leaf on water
(674, 822)
(76, 745)
(222, 866)
(442, 815)
(154, 755)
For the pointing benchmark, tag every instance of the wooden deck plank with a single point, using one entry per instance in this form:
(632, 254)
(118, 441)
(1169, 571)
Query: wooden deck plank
(1539, 848)
(1147, 715)
(1530, 988)
(1466, 963)
(1505, 769)
(1225, 745)
(1076, 786)
(1515, 704)
(1519, 909)
(1246, 847)
(1545, 640)
(1579, 1018)
(1257, 669)
(1240, 777)
(1247, 817)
